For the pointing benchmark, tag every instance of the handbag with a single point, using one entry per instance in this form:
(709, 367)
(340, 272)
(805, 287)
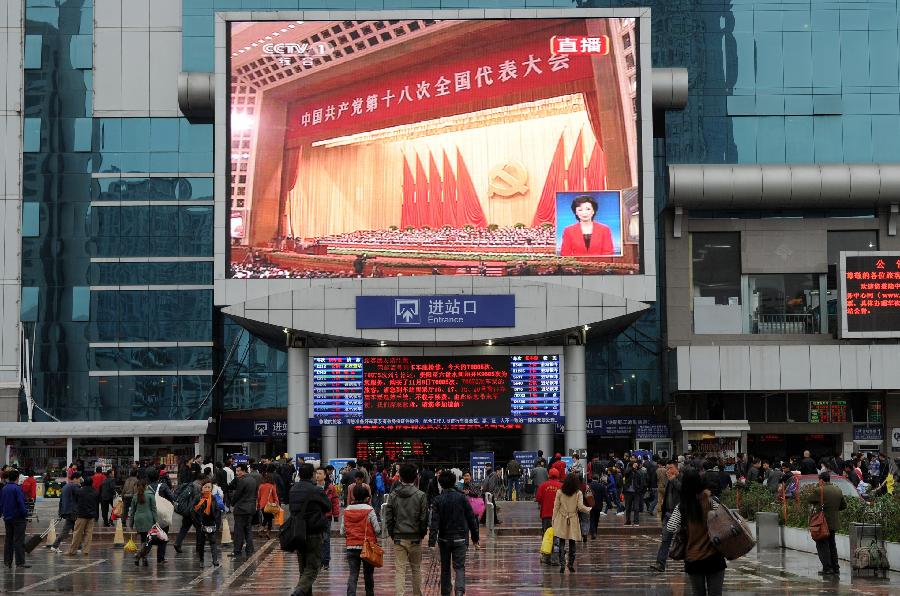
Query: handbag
(278, 520)
(589, 498)
(158, 534)
(271, 508)
(292, 535)
(372, 553)
(165, 509)
(818, 525)
(678, 547)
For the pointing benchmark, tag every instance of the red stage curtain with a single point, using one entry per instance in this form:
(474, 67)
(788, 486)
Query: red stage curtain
(289, 169)
(434, 193)
(408, 209)
(596, 169)
(592, 107)
(450, 204)
(469, 206)
(575, 173)
(423, 216)
(546, 209)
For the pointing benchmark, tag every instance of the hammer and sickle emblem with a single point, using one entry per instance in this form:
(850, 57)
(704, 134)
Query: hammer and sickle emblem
(508, 179)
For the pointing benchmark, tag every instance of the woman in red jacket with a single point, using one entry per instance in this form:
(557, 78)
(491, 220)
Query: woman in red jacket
(358, 525)
(586, 237)
(267, 494)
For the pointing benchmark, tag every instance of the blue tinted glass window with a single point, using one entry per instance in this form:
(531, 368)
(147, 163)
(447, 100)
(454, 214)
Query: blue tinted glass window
(164, 134)
(81, 303)
(31, 219)
(195, 138)
(30, 298)
(81, 51)
(32, 135)
(83, 128)
(110, 134)
(33, 50)
(135, 135)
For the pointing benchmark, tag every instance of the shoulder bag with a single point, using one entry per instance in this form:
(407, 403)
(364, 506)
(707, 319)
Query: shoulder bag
(165, 509)
(818, 525)
(292, 535)
(372, 553)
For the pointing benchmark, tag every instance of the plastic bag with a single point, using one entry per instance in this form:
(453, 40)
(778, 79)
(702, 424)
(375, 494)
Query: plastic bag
(547, 542)
(130, 546)
(279, 517)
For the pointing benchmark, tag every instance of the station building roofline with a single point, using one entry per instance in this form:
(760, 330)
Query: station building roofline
(97, 428)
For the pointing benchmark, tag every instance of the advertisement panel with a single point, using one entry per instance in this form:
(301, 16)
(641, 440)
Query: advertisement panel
(870, 294)
(434, 147)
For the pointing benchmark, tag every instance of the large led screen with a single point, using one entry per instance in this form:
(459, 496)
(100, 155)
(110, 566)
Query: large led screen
(390, 390)
(434, 147)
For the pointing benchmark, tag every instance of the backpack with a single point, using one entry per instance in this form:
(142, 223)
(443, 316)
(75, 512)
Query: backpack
(728, 532)
(184, 499)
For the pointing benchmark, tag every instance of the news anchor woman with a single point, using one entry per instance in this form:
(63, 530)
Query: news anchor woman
(586, 237)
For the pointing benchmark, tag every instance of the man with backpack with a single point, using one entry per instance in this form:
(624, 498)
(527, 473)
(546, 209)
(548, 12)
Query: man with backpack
(185, 496)
(406, 518)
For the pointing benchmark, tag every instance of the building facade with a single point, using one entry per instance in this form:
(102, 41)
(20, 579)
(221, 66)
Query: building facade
(109, 306)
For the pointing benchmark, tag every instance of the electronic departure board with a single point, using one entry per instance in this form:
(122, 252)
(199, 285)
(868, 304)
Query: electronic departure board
(391, 390)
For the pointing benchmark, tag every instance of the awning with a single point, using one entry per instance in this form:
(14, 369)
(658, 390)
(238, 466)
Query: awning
(91, 428)
(719, 428)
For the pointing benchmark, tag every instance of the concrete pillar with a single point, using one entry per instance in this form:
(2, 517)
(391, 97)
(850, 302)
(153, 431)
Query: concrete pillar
(329, 443)
(575, 398)
(137, 448)
(70, 450)
(543, 439)
(298, 401)
(4, 458)
(529, 437)
(346, 446)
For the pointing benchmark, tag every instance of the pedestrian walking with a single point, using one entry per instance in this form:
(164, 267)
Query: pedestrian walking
(324, 483)
(207, 514)
(244, 508)
(87, 510)
(452, 522)
(161, 490)
(358, 525)
(66, 510)
(308, 500)
(267, 502)
(634, 490)
(514, 476)
(406, 518)
(15, 516)
(186, 496)
(668, 502)
(704, 565)
(128, 491)
(567, 504)
(143, 518)
(107, 494)
(829, 499)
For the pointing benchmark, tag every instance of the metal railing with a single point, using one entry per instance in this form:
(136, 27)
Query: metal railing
(784, 324)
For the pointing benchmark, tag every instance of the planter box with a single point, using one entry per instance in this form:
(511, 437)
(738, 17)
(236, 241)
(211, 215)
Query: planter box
(799, 539)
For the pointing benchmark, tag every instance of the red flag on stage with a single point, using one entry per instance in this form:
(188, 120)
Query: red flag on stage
(575, 173)
(546, 209)
(435, 191)
(596, 169)
(450, 204)
(423, 217)
(408, 207)
(469, 205)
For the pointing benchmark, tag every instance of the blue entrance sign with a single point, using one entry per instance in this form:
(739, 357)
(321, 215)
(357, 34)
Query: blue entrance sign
(867, 433)
(417, 312)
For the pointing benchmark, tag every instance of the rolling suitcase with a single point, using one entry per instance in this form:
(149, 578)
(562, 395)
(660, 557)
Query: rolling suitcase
(729, 533)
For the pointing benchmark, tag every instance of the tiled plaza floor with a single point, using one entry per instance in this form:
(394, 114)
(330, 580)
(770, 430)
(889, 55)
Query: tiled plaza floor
(507, 564)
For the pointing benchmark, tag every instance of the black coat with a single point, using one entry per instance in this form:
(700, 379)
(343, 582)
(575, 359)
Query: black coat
(87, 503)
(243, 499)
(635, 476)
(108, 490)
(452, 518)
(317, 505)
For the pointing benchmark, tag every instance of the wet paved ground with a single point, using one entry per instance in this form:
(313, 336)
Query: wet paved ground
(507, 564)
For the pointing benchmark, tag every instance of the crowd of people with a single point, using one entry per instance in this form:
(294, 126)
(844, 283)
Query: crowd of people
(542, 238)
(423, 508)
